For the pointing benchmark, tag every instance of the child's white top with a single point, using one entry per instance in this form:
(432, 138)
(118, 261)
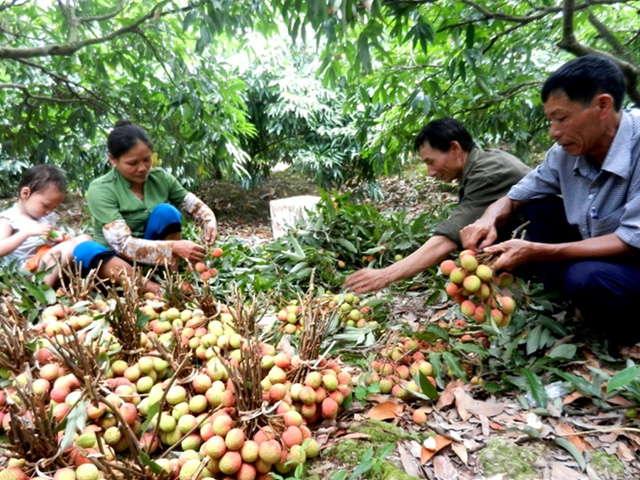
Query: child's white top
(30, 246)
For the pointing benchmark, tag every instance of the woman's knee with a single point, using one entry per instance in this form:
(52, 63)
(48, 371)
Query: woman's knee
(166, 212)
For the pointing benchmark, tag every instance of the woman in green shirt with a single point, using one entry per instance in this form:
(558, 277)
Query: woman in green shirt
(135, 208)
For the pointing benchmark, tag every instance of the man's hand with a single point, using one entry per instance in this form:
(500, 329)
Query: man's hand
(209, 233)
(188, 250)
(366, 280)
(513, 253)
(478, 235)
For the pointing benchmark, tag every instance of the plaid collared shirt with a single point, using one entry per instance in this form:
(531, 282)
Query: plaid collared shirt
(599, 201)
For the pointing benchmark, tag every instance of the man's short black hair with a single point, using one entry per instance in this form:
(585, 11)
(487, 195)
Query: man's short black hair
(585, 77)
(441, 132)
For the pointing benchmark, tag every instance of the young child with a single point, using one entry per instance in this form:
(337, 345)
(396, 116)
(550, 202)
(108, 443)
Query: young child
(27, 229)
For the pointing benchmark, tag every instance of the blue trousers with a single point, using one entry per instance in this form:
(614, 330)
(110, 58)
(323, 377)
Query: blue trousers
(164, 220)
(606, 291)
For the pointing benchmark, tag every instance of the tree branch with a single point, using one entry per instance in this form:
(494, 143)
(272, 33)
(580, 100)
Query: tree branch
(11, 4)
(69, 85)
(610, 38)
(72, 47)
(505, 94)
(106, 16)
(572, 45)
(28, 94)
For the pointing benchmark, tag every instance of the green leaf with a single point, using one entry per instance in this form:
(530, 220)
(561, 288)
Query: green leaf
(452, 362)
(437, 330)
(623, 378)
(347, 244)
(365, 464)
(147, 462)
(338, 475)
(573, 450)
(533, 339)
(536, 388)
(582, 385)
(470, 35)
(564, 350)
(152, 412)
(426, 386)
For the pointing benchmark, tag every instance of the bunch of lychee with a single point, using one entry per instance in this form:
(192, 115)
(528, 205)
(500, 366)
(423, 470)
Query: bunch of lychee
(291, 317)
(207, 272)
(353, 311)
(478, 291)
(397, 367)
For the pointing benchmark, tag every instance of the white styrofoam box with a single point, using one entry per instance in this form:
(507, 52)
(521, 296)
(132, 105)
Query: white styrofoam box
(285, 211)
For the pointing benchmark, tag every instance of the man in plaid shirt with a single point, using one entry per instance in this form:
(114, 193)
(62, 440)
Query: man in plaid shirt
(583, 201)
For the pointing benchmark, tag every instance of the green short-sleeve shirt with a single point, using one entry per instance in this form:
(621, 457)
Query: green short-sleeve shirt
(110, 198)
(487, 176)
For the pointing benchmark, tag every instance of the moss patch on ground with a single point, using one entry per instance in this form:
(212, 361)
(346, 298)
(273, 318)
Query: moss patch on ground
(503, 456)
(351, 451)
(607, 465)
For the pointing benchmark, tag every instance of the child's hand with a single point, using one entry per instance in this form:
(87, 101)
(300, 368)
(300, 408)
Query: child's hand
(42, 229)
(56, 237)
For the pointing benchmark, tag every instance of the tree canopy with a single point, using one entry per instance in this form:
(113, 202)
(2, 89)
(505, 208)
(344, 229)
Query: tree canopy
(336, 87)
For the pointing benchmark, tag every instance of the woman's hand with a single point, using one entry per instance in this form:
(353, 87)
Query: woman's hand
(188, 250)
(209, 233)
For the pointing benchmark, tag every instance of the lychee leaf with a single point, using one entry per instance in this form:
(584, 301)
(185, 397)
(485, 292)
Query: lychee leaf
(427, 387)
(452, 362)
(536, 388)
(147, 462)
(623, 378)
(573, 450)
(153, 410)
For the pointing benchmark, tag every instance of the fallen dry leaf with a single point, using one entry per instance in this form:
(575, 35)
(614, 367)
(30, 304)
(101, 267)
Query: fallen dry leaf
(625, 453)
(409, 462)
(468, 406)
(572, 397)
(385, 411)
(620, 401)
(426, 453)
(444, 469)
(461, 451)
(447, 396)
(567, 432)
(562, 472)
(497, 426)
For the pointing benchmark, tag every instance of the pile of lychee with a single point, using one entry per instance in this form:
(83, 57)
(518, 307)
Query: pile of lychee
(199, 415)
(481, 294)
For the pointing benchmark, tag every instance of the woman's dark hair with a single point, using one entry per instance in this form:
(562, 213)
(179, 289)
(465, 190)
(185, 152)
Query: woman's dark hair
(41, 176)
(125, 136)
(440, 133)
(585, 77)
